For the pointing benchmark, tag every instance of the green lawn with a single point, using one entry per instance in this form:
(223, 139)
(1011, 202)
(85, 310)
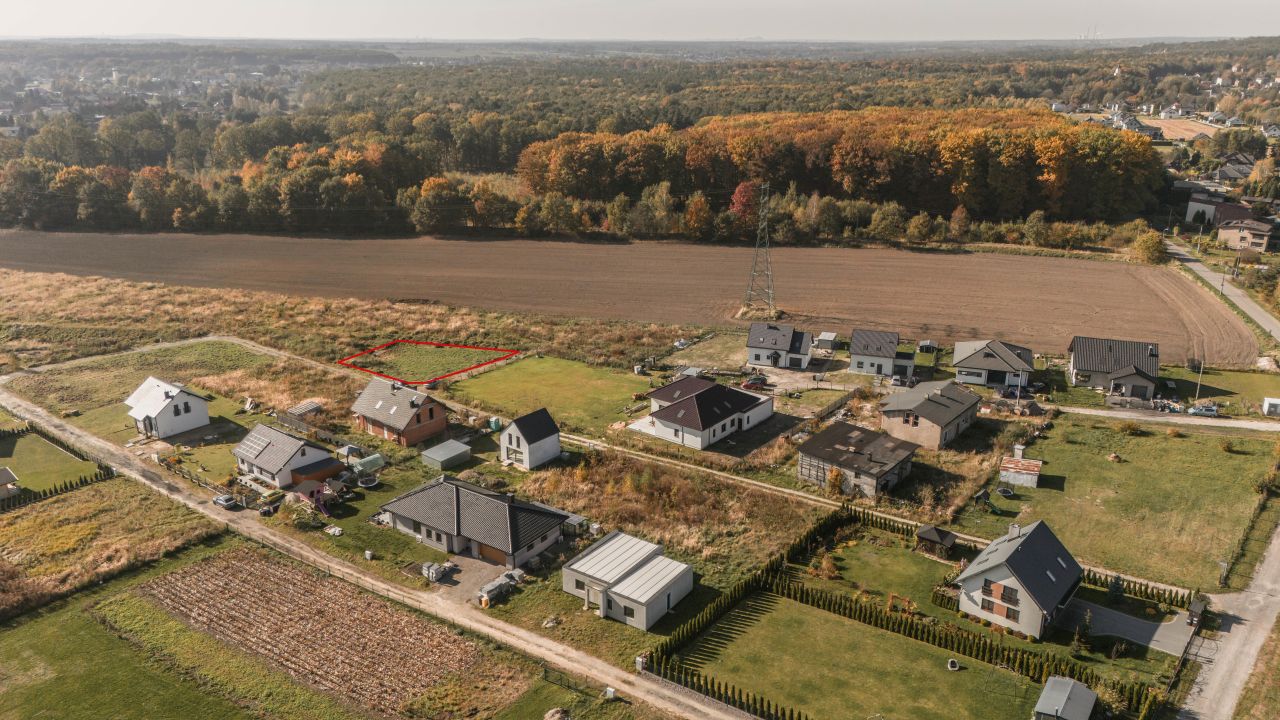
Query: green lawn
(1238, 393)
(39, 464)
(392, 549)
(769, 645)
(7, 420)
(579, 396)
(878, 563)
(1169, 511)
(421, 363)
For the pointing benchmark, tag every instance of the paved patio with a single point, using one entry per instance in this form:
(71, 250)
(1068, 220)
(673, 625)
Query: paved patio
(472, 574)
(1170, 637)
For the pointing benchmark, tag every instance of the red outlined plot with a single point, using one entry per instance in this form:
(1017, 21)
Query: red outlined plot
(501, 354)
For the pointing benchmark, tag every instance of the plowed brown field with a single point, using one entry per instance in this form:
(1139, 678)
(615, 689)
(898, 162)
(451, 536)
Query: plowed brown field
(1038, 301)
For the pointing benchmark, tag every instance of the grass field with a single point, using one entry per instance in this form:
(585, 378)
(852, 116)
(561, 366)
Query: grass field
(39, 464)
(1169, 511)
(767, 645)
(7, 420)
(1261, 697)
(417, 363)
(725, 351)
(1236, 392)
(579, 396)
(877, 563)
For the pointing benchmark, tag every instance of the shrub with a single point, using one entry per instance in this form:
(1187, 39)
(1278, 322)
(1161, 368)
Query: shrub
(1174, 433)
(1226, 445)
(1129, 427)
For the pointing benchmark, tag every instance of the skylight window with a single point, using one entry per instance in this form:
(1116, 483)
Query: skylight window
(1051, 577)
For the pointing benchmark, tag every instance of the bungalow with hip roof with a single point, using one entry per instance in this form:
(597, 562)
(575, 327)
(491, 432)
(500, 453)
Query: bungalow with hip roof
(160, 409)
(1021, 581)
(782, 346)
(930, 414)
(870, 463)
(1255, 235)
(992, 362)
(281, 460)
(461, 518)
(530, 441)
(396, 412)
(698, 413)
(873, 352)
(1127, 368)
(627, 579)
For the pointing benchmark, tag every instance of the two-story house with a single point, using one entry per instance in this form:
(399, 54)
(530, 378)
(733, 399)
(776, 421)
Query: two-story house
(782, 346)
(396, 412)
(160, 409)
(870, 463)
(1022, 580)
(875, 352)
(931, 414)
(530, 441)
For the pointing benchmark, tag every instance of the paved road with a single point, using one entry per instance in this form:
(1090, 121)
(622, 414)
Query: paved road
(549, 651)
(1177, 418)
(1241, 299)
(1170, 637)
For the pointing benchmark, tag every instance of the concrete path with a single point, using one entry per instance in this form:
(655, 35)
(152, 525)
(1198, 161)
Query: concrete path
(1177, 419)
(555, 654)
(1220, 282)
(1169, 637)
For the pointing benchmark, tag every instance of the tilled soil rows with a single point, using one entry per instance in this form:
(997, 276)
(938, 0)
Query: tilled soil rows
(1040, 302)
(320, 630)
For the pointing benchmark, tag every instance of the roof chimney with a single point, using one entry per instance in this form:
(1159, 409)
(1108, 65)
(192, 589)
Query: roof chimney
(1018, 450)
(1015, 529)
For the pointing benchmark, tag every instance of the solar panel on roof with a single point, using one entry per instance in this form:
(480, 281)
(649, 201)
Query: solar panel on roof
(255, 444)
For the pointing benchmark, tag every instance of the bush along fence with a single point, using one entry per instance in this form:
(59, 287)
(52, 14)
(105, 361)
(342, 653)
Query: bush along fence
(1137, 698)
(1140, 589)
(27, 496)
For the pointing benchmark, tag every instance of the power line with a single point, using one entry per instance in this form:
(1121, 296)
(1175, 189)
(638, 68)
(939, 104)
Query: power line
(760, 289)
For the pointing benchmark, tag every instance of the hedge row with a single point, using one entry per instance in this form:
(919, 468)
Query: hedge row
(27, 497)
(1139, 589)
(15, 432)
(726, 693)
(1237, 551)
(1030, 664)
(944, 599)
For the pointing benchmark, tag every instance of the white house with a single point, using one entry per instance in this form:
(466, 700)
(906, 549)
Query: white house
(1021, 581)
(992, 362)
(627, 579)
(530, 441)
(281, 460)
(873, 352)
(698, 413)
(160, 409)
(461, 518)
(770, 345)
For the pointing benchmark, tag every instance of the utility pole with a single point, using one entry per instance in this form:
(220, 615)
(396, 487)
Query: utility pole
(1199, 378)
(760, 289)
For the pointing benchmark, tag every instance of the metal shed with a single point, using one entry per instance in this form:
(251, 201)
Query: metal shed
(447, 454)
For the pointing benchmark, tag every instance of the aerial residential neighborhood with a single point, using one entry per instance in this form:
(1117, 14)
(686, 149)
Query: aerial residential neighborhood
(639, 361)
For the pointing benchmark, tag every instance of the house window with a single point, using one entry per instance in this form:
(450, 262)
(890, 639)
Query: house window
(417, 528)
(915, 421)
(859, 364)
(1011, 615)
(987, 587)
(757, 356)
(608, 603)
(988, 606)
(177, 411)
(1009, 596)
(579, 585)
(417, 417)
(431, 413)
(186, 407)
(544, 538)
(628, 611)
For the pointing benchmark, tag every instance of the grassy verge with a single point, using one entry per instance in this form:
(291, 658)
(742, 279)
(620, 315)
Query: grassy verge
(1182, 493)
(1261, 697)
(1239, 392)
(767, 645)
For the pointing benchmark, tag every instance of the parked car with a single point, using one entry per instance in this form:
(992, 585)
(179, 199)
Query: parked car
(755, 383)
(896, 381)
(1204, 411)
(228, 502)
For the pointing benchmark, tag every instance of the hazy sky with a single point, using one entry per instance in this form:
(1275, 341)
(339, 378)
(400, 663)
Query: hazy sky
(865, 20)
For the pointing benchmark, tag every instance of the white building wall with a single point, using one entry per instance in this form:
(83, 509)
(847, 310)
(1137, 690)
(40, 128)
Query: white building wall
(543, 452)
(523, 555)
(870, 365)
(1030, 618)
(167, 425)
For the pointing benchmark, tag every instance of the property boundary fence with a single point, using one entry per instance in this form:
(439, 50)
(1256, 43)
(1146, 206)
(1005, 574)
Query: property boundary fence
(27, 496)
(1242, 543)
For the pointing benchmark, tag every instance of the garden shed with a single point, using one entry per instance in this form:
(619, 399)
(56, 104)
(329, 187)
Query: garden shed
(827, 340)
(446, 455)
(1021, 471)
(935, 540)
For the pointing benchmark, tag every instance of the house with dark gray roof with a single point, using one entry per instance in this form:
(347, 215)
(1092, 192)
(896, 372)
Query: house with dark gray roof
(462, 518)
(869, 463)
(782, 346)
(992, 362)
(271, 456)
(627, 579)
(698, 413)
(931, 414)
(1257, 235)
(1065, 699)
(530, 441)
(1127, 368)
(1022, 580)
(396, 412)
(875, 352)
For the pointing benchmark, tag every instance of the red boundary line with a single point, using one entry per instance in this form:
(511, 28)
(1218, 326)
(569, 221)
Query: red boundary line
(346, 361)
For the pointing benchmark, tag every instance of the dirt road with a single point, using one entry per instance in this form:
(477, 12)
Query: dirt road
(1038, 301)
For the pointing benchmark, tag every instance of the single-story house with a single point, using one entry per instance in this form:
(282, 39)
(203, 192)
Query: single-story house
(8, 484)
(992, 362)
(627, 579)
(871, 463)
(459, 517)
(160, 409)
(1022, 580)
(447, 454)
(782, 346)
(1256, 235)
(1065, 699)
(931, 414)
(1128, 368)
(530, 441)
(698, 413)
(282, 460)
(935, 540)
(396, 412)
(874, 352)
